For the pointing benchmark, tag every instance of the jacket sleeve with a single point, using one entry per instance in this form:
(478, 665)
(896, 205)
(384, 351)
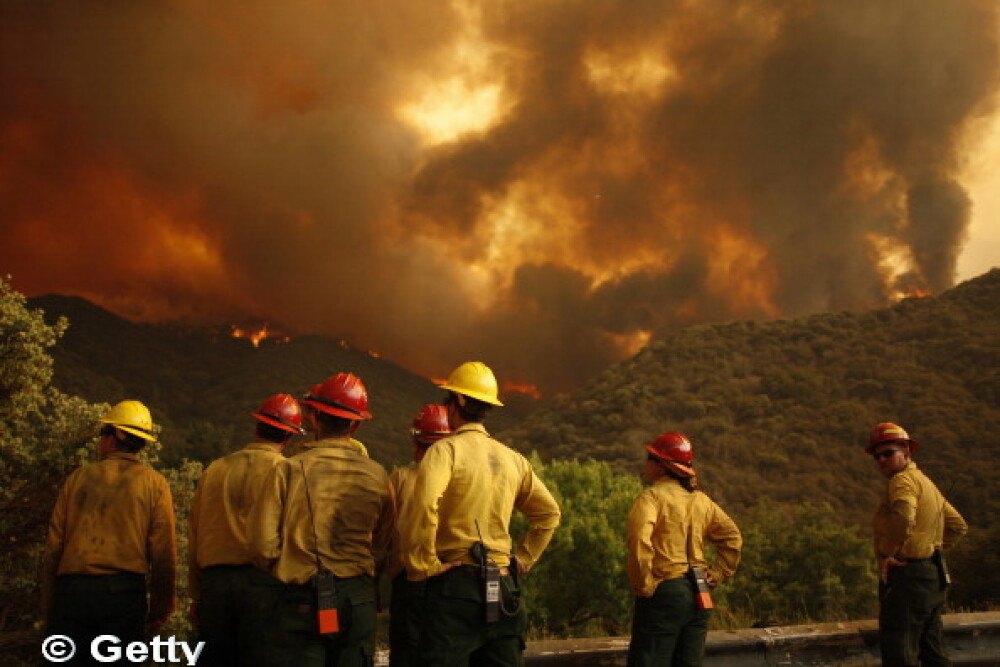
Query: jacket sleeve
(264, 522)
(902, 500)
(639, 545)
(542, 512)
(419, 523)
(723, 533)
(385, 525)
(955, 526)
(53, 550)
(162, 550)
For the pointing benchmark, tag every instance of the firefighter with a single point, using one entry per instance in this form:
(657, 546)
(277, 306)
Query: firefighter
(913, 524)
(429, 425)
(111, 541)
(666, 564)
(323, 519)
(227, 591)
(455, 532)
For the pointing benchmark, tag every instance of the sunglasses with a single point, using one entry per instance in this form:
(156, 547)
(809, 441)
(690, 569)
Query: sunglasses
(885, 454)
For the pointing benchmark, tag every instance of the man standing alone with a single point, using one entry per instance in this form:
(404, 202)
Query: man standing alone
(913, 523)
(111, 538)
(667, 564)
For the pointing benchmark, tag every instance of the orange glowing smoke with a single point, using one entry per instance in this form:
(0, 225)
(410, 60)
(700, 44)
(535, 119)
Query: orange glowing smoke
(450, 178)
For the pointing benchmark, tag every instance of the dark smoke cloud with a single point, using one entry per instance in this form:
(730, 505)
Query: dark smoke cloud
(671, 163)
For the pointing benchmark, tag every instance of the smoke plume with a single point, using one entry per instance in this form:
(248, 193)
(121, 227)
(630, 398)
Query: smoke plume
(540, 185)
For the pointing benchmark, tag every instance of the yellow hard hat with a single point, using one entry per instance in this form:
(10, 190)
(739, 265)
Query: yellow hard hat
(132, 417)
(475, 380)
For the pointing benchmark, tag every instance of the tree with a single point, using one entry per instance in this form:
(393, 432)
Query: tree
(800, 563)
(579, 587)
(43, 434)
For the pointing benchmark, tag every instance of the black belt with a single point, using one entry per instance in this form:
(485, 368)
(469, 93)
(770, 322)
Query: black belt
(225, 566)
(929, 559)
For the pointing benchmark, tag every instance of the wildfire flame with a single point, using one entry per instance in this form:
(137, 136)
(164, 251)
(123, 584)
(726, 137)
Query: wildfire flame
(914, 293)
(257, 335)
(526, 389)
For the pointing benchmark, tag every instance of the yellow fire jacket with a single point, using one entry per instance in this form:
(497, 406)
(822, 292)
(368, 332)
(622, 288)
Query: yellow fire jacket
(470, 478)
(401, 480)
(658, 543)
(116, 515)
(217, 524)
(348, 513)
(914, 518)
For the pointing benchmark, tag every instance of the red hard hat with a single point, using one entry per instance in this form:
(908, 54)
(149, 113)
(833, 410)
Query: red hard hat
(674, 449)
(889, 432)
(431, 423)
(342, 395)
(281, 411)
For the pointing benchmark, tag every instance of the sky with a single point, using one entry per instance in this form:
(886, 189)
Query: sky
(544, 186)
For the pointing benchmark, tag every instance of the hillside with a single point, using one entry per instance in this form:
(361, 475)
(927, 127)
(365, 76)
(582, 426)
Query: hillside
(782, 409)
(201, 385)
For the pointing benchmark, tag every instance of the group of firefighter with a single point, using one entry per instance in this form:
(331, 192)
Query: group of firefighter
(284, 551)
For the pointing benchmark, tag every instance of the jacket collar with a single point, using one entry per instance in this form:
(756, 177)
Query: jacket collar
(337, 443)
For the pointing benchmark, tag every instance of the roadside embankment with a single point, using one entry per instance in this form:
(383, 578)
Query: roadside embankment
(972, 639)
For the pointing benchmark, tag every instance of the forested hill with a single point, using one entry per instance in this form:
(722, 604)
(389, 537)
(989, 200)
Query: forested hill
(782, 409)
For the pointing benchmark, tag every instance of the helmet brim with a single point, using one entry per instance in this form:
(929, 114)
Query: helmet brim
(363, 415)
(682, 469)
(134, 431)
(271, 421)
(479, 396)
(913, 444)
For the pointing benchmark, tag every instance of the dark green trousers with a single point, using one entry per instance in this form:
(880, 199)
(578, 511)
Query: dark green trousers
(236, 610)
(454, 632)
(405, 611)
(909, 617)
(86, 606)
(294, 639)
(668, 628)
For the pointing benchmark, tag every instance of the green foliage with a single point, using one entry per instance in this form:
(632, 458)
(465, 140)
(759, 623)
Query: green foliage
(801, 563)
(579, 587)
(975, 570)
(183, 481)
